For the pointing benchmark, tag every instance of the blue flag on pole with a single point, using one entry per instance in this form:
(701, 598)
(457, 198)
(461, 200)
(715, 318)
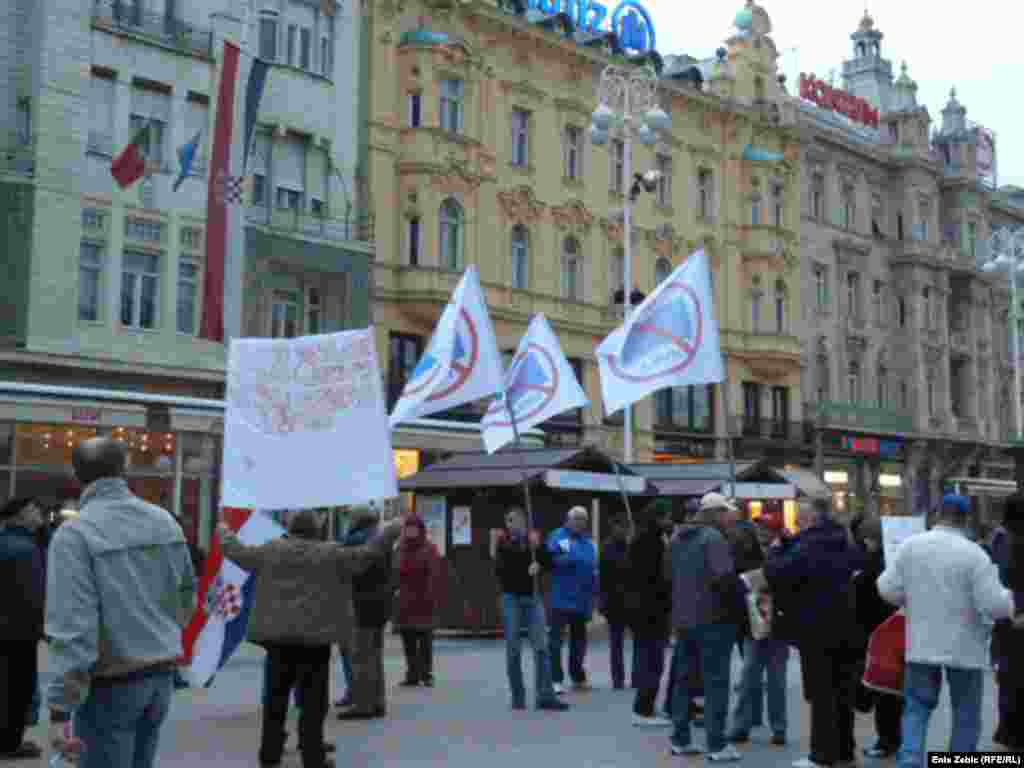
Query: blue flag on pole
(186, 156)
(253, 95)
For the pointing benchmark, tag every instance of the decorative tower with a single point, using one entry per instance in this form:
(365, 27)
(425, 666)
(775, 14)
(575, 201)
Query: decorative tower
(909, 122)
(956, 144)
(868, 75)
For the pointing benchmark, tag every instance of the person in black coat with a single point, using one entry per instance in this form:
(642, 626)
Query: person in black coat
(613, 578)
(872, 610)
(1010, 672)
(21, 622)
(648, 611)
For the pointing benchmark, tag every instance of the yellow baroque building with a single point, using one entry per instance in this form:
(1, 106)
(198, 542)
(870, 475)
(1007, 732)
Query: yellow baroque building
(478, 152)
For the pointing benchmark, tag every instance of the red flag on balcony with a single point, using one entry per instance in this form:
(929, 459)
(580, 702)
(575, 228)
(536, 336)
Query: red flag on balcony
(130, 166)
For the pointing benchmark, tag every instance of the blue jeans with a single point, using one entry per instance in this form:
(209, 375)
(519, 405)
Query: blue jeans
(713, 643)
(760, 656)
(577, 623)
(521, 611)
(921, 687)
(119, 723)
(648, 666)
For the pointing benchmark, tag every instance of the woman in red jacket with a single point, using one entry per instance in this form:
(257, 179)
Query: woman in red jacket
(419, 599)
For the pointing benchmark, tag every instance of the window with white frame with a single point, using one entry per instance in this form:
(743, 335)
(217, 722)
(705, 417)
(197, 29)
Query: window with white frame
(779, 204)
(292, 44)
(756, 294)
(314, 311)
(572, 269)
(853, 294)
(259, 163)
(849, 210)
(102, 97)
(452, 105)
(755, 210)
(451, 221)
(284, 315)
(140, 289)
(268, 36)
(520, 138)
(780, 307)
(705, 192)
(520, 257)
(325, 57)
(663, 193)
(306, 48)
(151, 108)
(662, 270)
(821, 288)
(618, 274)
(290, 172)
(90, 281)
(618, 165)
(818, 197)
(415, 109)
(188, 292)
(197, 115)
(573, 143)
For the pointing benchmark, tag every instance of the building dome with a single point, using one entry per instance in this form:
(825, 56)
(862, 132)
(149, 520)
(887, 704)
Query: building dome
(867, 23)
(744, 19)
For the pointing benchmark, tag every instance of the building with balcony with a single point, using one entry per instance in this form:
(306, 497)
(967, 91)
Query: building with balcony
(478, 153)
(905, 364)
(102, 290)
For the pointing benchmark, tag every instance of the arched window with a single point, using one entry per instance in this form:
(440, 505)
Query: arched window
(572, 268)
(853, 383)
(662, 269)
(520, 257)
(451, 235)
(780, 307)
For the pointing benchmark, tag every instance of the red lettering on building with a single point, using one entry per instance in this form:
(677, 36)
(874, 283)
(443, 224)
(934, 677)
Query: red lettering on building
(827, 97)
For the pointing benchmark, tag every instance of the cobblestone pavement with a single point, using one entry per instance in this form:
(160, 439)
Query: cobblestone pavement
(466, 721)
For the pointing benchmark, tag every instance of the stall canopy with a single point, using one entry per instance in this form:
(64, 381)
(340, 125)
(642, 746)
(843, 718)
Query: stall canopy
(754, 480)
(577, 469)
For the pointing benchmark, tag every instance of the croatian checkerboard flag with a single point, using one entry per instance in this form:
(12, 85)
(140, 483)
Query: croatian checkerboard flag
(539, 385)
(225, 598)
(462, 362)
(670, 340)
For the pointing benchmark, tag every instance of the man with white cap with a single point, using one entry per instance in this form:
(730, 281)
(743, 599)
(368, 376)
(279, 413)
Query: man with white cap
(707, 606)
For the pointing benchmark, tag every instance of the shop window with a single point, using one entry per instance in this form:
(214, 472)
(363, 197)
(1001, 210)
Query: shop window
(49, 445)
(690, 408)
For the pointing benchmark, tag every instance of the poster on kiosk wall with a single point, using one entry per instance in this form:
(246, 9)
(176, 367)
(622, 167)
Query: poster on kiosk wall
(293, 409)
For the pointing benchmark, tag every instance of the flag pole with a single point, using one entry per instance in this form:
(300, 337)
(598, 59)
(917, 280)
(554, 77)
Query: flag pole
(526, 490)
(625, 498)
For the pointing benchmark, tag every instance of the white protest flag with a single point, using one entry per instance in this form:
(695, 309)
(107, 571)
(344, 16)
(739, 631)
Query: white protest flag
(539, 384)
(461, 363)
(293, 409)
(670, 340)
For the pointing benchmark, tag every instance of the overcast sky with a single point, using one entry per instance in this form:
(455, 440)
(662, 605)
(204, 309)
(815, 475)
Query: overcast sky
(976, 47)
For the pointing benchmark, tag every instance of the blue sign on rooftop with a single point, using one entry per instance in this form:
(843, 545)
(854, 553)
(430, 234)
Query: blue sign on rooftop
(630, 21)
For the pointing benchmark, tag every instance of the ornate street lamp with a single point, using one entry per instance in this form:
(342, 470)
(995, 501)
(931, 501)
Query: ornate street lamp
(1005, 254)
(628, 109)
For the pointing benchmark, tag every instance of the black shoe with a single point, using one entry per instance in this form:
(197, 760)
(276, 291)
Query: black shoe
(779, 740)
(428, 682)
(619, 686)
(343, 703)
(552, 705)
(27, 751)
(328, 748)
(359, 714)
(738, 738)
(409, 682)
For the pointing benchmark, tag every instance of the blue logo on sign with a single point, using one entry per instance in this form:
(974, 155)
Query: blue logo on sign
(630, 21)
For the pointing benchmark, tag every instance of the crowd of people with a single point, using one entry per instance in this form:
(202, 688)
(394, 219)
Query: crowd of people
(120, 585)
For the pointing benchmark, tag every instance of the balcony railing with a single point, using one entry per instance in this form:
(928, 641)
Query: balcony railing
(358, 227)
(834, 414)
(131, 17)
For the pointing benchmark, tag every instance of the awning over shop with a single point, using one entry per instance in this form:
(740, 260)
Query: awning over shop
(566, 468)
(754, 480)
(807, 483)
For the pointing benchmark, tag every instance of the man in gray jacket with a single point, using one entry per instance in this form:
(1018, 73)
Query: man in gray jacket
(303, 591)
(951, 592)
(704, 617)
(120, 589)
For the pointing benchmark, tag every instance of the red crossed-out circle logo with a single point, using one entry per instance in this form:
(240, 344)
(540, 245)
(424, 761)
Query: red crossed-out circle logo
(658, 347)
(464, 362)
(532, 390)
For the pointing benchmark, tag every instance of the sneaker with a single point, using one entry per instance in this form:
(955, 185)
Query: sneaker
(779, 739)
(559, 689)
(738, 737)
(727, 754)
(409, 682)
(685, 749)
(26, 751)
(649, 721)
(880, 751)
(518, 704)
(552, 705)
(428, 682)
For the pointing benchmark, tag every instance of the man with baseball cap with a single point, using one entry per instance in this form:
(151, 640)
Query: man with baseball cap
(952, 593)
(706, 603)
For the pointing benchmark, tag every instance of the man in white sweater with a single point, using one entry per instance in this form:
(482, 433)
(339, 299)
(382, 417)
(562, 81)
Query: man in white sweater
(951, 593)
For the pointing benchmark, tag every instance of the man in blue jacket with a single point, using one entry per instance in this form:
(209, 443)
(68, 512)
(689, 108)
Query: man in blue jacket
(574, 583)
(21, 623)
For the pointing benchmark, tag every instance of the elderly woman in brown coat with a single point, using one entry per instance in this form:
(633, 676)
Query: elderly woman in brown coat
(419, 601)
